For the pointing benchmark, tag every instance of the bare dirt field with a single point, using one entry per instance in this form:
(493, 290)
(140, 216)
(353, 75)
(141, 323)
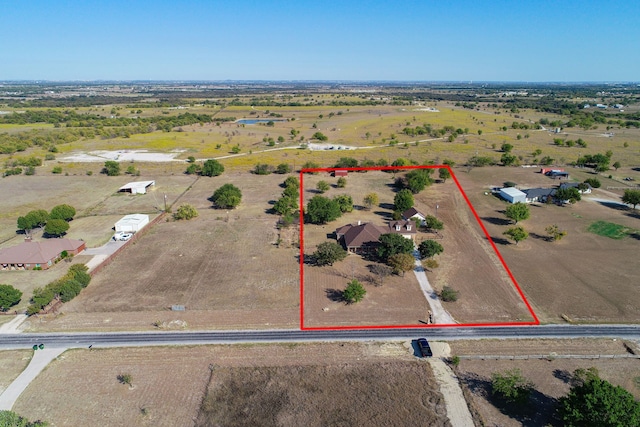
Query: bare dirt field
(586, 277)
(169, 385)
(223, 266)
(468, 264)
(13, 363)
(293, 396)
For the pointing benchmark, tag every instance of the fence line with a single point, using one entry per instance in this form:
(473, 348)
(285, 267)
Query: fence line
(550, 356)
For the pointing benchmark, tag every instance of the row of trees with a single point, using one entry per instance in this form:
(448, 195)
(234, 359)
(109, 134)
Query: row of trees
(210, 167)
(55, 223)
(321, 210)
(65, 288)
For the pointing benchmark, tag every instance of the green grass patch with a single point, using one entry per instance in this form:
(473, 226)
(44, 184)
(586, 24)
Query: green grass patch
(609, 229)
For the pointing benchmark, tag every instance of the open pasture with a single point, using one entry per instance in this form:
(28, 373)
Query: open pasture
(584, 276)
(468, 263)
(222, 262)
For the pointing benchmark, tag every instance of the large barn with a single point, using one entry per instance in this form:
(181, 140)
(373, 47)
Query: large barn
(41, 255)
(139, 187)
(513, 195)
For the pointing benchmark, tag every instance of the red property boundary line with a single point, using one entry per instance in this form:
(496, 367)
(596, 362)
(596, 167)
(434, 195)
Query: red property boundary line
(536, 321)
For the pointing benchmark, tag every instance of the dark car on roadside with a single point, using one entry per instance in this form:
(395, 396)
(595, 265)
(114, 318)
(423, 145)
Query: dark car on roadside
(425, 348)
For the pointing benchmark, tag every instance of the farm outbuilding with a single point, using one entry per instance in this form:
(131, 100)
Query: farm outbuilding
(139, 187)
(132, 223)
(513, 195)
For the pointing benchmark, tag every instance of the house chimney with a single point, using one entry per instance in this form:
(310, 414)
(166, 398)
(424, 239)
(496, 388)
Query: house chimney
(359, 222)
(27, 239)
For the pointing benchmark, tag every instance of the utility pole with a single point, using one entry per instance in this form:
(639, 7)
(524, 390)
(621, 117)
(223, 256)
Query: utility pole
(165, 202)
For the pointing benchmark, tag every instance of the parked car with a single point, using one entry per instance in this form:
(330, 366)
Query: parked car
(425, 348)
(122, 236)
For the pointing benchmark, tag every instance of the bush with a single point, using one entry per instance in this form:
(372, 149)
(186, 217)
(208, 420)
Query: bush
(511, 386)
(448, 294)
(56, 170)
(185, 211)
(593, 182)
(111, 168)
(212, 167)
(329, 252)
(354, 292)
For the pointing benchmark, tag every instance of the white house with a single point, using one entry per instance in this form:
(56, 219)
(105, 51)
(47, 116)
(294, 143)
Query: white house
(139, 187)
(132, 223)
(414, 213)
(513, 195)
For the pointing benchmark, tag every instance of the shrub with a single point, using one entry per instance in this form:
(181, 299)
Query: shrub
(226, 197)
(448, 294)
(9, 296)
(185, 211)
(56, 169)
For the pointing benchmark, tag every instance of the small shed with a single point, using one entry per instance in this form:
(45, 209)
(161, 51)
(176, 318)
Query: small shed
(132, 223)
(139, 187)
(513, 195)
(340, 172)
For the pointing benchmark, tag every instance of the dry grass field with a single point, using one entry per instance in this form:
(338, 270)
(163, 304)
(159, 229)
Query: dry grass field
(486, 292)
(13, 363)
(224, 266)
(170, 383)
(587, 277)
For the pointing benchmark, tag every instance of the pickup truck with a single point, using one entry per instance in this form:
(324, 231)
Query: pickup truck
(425, 349)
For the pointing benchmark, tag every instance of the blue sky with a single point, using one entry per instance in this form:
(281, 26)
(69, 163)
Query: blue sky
(428, 40)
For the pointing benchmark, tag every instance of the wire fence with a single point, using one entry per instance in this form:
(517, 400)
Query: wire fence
(549, 356)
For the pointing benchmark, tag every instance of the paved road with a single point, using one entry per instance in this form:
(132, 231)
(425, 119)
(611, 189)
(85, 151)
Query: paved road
(134, 339)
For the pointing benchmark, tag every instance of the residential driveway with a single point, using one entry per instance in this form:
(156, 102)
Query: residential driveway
(13, 326)
(457, 409)
(440, 315)
(40, 360)
(102, 253)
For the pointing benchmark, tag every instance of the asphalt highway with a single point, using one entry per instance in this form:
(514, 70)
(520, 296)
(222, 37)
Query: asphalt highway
(160, 338)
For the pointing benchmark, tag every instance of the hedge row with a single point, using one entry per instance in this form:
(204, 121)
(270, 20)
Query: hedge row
(66, 288)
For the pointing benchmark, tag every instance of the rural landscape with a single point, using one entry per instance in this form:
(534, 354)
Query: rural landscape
(318, 207)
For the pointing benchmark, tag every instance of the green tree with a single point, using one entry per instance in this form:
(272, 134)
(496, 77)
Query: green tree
(508, 159)
(506, 147)
(126, 379)
(429, 248)
(511, 386)
(283, 168)
(212, 167)
(342, 182)
(444, 174)
(9, 296)
(310, 165)
(418, 180)
(56, 227)
(555, 233)
(616, 165)
(292, 181)
(517, 234)
(391, 244)
(329, 252)
(65, 212)
(185, 211)
(111, 168)
(433, 223)
(403, 200)
(401, 262)
(226, 197)
(37, 218)
(321, 210)
(286, 205)
(371, 200)
(631, 197)
(193, 169)
(571, 194)
(323, 186)
(594, 402)
(345, 202)
(593, 182)
(354, 292)
(346, 162)
(319, 136)
(517, 212)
